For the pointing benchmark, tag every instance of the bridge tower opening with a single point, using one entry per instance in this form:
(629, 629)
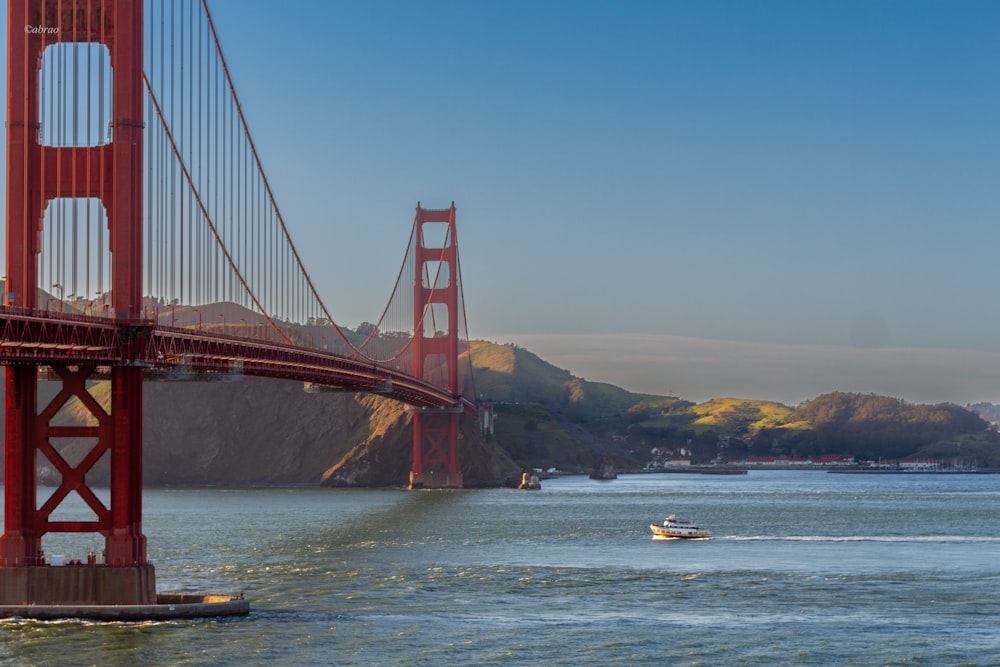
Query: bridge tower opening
(39, 171)
(436, 347)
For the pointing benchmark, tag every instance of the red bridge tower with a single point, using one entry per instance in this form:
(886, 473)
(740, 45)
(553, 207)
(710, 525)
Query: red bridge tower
(36, 175)
(435, 352)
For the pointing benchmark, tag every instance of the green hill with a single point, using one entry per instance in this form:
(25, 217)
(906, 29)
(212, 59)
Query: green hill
(546, 417)
(875, 426)
(549, 418)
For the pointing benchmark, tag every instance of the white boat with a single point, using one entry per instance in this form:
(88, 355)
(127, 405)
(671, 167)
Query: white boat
(673, 528)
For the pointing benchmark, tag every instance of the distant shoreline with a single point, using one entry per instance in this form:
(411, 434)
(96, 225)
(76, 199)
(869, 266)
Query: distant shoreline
(739, 470)
(984, 471)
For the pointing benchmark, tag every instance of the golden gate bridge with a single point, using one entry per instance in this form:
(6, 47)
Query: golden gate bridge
(143, 241)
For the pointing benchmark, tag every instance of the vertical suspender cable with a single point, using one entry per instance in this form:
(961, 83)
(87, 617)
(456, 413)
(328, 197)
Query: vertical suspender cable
(204, 183)
(220, 199)
(238, 214)
(102, 67)
(207, 184)
(219, 285)
(193, 296)
(248, 216)
(256, 161)
(45, 109)
(75, 133)
(176, 201)
(201, 277)
(161, 246)
(185, 173)
(148, 231)
(165, 179)
(55, 136)
(163, 259)
(236, 180)
(93, 210)
(90, 145)
(60, 121)
(249, 219)
(227, 208)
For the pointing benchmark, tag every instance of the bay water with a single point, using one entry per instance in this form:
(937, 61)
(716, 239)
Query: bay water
(806, 568)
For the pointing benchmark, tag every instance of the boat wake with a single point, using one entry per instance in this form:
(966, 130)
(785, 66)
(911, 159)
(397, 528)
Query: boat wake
(863, 538)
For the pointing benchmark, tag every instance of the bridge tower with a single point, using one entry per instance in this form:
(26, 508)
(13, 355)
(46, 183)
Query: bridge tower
(435, 351)
(37, 173)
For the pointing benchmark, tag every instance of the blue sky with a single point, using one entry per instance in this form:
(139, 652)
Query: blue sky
(783, 190)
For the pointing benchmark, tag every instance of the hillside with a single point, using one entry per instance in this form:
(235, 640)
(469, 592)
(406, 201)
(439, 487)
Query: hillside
(877, 426)
(266, 432)
(546, 417)
(254, 431)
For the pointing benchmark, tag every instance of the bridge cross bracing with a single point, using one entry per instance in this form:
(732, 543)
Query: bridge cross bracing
(144, 241)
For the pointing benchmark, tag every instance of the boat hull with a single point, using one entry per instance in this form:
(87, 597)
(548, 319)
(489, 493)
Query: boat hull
(668, 535)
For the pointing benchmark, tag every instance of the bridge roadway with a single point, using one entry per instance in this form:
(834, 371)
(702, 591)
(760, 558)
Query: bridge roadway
(46, 337)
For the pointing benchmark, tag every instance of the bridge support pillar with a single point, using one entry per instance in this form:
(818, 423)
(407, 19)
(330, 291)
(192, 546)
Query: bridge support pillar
(21, 543)
(126, 545)
(35, 438)
(435, 347)
(435, 450)
(38, 173)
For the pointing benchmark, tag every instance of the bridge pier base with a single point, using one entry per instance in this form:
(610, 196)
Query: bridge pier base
(436, 480)
(78, 584)
(435, 450)
(104, 593)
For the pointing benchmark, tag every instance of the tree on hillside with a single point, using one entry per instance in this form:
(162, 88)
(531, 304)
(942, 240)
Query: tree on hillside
(877, 426)
(704, 447)
(641, 411)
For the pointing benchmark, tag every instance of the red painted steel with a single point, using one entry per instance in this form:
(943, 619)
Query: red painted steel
(435, 434)
(47, 338)
(37, 174)
(79, 348)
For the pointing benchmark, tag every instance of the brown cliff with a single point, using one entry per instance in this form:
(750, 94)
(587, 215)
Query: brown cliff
(253, 431)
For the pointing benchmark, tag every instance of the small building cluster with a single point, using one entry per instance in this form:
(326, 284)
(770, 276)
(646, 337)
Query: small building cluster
(663, 459)
(920, 464)
(668, 458)
(824, 460)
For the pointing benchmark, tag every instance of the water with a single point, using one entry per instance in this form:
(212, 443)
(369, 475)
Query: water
(806, 568)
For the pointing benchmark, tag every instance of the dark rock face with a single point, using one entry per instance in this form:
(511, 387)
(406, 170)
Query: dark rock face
(605, 469)
(386, 456)
(247, 432)
(271, 432)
